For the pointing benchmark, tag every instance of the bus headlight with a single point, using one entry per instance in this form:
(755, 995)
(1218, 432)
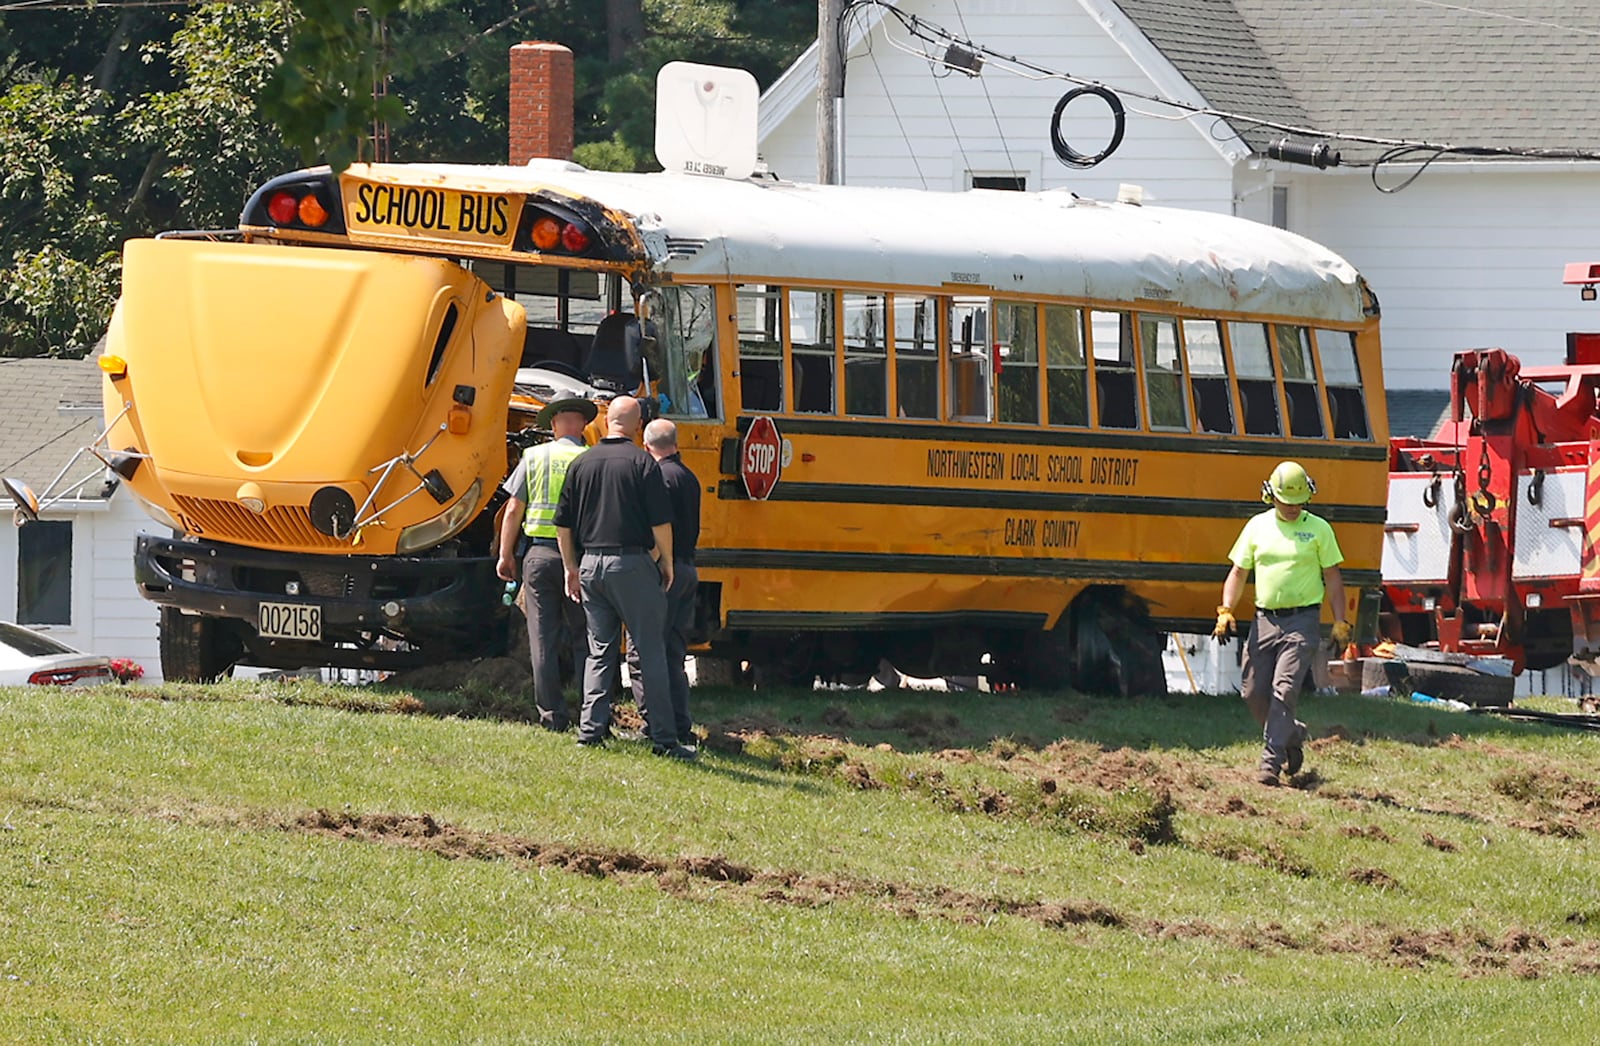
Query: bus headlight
(156, 512)
(426, 535)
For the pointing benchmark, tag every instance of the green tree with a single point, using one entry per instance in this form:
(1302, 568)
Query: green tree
(122, 121)
(157, 127)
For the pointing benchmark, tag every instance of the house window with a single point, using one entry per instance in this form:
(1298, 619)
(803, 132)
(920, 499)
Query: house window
(44, 574)
(1009, 182)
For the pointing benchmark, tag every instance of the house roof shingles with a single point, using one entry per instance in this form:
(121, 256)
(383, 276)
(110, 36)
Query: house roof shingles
(52, 409)
(1497, 73)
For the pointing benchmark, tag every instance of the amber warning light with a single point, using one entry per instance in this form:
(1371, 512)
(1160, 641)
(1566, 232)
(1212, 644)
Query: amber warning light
(285, 207)
(549, 233)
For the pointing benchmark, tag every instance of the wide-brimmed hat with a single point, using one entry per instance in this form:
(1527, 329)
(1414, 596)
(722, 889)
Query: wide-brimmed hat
(575, 404)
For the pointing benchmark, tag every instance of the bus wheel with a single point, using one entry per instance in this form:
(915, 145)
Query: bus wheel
(195, 649)
(792, 663)
(1114, 646)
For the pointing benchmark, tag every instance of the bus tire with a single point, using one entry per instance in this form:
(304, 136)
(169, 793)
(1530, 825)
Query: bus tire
(1115, 648)
(195, 649)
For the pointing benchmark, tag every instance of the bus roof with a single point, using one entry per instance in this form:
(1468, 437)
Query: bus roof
(1040, 244)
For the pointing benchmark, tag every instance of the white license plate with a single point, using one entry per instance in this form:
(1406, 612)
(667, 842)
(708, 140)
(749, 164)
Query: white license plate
(289, 621)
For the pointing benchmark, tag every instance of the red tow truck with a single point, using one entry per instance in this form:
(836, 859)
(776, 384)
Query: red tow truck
(1490, 544)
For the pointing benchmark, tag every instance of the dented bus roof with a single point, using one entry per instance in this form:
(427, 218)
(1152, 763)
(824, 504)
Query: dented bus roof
(1043, 244)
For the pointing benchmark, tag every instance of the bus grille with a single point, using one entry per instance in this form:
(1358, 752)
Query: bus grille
(279, 525)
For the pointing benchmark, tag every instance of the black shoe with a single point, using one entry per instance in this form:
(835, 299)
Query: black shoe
(591, 742)
(678, 752)
(1295, 753)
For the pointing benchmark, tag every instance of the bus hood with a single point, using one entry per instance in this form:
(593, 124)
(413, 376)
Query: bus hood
(296, 368)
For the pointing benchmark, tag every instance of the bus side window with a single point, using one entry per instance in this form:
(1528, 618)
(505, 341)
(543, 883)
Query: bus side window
(1116, 384)
(1067, 380)
(760, 348)
(1017, 361)
(1347, 410)
(1258, 391)
(811, 348)
(970, 355)
(916, 357)
(866, 356)
(1163, 373)
(1208, 375)
(586, 298)
(558, 302)
(1299, 381)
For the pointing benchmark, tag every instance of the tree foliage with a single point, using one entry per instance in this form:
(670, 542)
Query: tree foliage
(118, 122)
(118, 127)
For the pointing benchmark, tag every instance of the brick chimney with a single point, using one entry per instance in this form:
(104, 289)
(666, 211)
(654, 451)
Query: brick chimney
(541, 101)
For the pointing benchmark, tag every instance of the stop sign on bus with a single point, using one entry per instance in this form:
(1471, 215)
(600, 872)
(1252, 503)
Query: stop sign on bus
(760, 458)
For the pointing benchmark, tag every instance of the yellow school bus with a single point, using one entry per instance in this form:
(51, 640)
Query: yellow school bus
(1018, 430)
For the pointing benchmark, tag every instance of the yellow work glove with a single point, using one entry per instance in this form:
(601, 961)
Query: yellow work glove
(1341, 634)
(1224, 627)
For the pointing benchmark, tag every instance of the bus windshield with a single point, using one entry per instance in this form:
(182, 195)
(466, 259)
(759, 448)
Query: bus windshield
(683, 324)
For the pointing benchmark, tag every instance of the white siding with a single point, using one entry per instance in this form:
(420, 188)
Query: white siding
(910, 125)
(1462, 260)
(124, 622)
(108, 615)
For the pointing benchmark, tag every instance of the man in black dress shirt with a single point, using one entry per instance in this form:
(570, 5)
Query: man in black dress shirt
(683, 490)
(614, 527)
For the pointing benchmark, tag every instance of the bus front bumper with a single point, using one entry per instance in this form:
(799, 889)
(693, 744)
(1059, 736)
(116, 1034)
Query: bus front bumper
(300, 598)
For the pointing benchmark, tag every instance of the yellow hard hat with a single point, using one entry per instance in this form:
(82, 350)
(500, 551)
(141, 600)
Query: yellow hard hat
(1288, 484)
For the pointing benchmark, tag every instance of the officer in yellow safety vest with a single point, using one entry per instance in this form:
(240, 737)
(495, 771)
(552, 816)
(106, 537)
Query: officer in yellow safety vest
(1296, 559)
(535, 487)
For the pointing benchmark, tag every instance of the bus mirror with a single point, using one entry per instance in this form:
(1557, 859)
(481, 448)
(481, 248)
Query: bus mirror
(24, 498)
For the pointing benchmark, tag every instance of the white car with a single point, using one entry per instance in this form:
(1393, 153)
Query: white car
(28, 657)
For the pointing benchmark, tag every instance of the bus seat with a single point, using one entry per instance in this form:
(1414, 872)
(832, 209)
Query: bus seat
(614, 358)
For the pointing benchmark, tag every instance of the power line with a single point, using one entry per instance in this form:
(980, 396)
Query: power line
(1464, 9)
(999, 131)
(1397, 149)
(65, 432)
(895, 110)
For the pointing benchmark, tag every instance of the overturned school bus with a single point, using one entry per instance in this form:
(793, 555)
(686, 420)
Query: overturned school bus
(933, 427)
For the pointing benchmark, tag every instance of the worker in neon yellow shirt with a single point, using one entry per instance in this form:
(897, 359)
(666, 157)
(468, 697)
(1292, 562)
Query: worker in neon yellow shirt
(1296, 559)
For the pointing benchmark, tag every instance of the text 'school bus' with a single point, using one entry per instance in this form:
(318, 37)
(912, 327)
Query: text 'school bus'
(929, 426)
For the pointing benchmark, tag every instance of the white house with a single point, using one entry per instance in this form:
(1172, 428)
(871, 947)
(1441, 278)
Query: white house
(69, 574)
(1469, 254)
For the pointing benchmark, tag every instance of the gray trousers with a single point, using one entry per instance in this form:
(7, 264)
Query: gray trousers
(680, 622)
(1276, 660)
(624, 590)
(554, 622)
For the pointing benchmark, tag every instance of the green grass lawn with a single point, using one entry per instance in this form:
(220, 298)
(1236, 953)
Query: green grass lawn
(291, 862)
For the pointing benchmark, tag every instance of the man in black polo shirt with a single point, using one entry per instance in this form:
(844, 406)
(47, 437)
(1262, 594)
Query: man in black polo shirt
(683, 490)
(614, 526)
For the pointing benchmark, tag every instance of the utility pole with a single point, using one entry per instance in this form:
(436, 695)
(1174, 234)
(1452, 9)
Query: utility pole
(830, 93)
